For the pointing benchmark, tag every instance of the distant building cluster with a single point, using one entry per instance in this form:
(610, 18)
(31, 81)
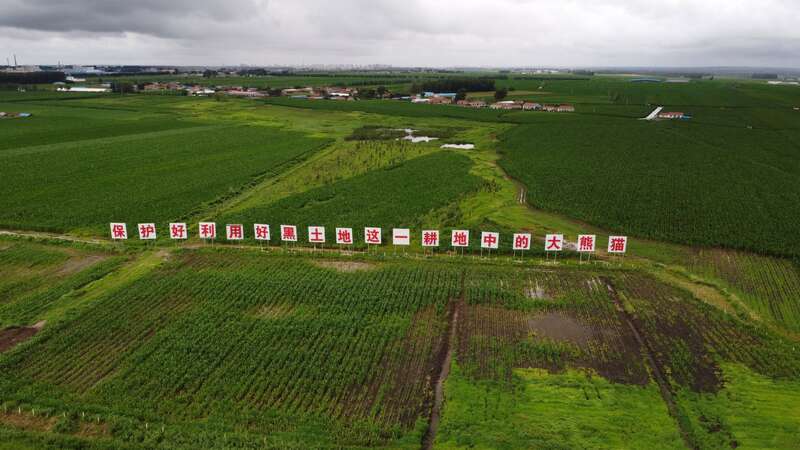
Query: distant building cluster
(13, 115)
(450, 98)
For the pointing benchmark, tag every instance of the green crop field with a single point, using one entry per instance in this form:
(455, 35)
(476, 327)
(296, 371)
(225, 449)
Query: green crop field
(397, 195)
(680, 182)
(130, 169)
(690, 340)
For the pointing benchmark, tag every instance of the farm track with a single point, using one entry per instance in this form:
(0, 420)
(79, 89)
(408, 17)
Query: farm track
(54, 236)
(445, 357)
(664, 387)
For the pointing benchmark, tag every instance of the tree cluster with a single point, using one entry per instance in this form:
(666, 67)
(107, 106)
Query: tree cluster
(31, 77)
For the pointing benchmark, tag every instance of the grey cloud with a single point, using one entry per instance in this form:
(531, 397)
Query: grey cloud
(410, 32)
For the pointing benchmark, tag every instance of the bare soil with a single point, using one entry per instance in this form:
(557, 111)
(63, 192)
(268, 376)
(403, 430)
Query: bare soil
(345, 266)
(12, 336)
(27, 421)
(78, 263)
(93, 430)
(560, 327)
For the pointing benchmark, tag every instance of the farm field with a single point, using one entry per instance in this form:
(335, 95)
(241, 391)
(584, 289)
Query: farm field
(211, 346)
(691, 340)
(134, 172)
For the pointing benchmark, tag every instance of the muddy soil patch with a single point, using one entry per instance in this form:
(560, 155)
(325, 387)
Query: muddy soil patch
(345, 266)
(12, 336)
(557, 326)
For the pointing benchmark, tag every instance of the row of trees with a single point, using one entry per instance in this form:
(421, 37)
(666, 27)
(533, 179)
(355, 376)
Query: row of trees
(31, 77)
(454, 85)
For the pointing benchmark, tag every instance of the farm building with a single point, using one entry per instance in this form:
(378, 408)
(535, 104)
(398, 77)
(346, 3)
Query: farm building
(334, 92)
(297, 91)
(559, 108)
(440, 100)
(471, 103)
(507, 104)
(199, 91)
(529, 106)
(248, 93)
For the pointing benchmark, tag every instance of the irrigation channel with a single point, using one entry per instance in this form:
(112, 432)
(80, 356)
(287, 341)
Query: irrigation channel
(444, 357)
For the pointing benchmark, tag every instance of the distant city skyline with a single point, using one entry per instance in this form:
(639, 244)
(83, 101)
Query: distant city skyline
(412, 33)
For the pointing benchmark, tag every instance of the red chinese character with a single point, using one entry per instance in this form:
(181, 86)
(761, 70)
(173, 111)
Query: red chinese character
(262, 232)
(288, 234)
(316, 234)
(119, 231)
(554, 243)
(177, 230)
(146, 230)
(235, 232)
(208, 230)
(373, 236)
(489, 240)
(522, 242)
(459, 238)
(345, 236)
(617, 245)
(586, 243)
(430, 238)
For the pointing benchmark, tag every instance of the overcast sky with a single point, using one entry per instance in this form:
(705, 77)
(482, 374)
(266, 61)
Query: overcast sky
(564, 33)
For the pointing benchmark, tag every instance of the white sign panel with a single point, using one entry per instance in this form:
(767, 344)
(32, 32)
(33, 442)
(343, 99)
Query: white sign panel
(554, 242)
(617, 244)
(207, 230)
(459, 238)
(261, 231)
(586, 243)
(234, 232)
(401, 236)
(288, 233)
(344, 236)
(178, 231)
(147, 231)
(490, 239)
(522, 241)
(119, 230)
(430, 238)
(372, 235)
(316, 235)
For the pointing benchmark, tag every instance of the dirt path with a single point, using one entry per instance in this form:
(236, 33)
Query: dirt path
(666, 393)
(445, 357)
(56, 236)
